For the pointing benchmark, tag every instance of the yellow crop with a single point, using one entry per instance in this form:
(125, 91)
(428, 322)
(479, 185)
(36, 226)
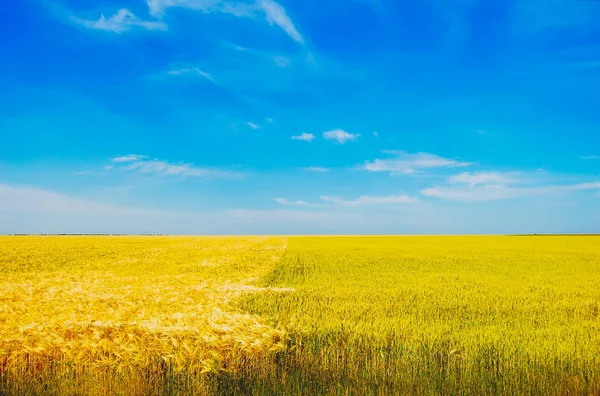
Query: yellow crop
(300, 315)
(133, 308)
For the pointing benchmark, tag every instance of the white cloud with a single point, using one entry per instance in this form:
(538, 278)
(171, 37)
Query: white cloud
(306, 137)
(128, 158)
(108, 167)
(158, 7)
(474, 179)
(473, 193)
(495, 192)
(282, 61)
(372, 200)
(318, 169)
(284, 201)
(120, 22)
(167, 169)
(590, 157)
(407, 163)
(276, 14)
(194, 71)
(375, 134)
(340, 136)
(584, 186)
(262, 56)
(253, 125)
(363, 200)
(141, 164)
(272, 11)
(124, 20)
(269, 120)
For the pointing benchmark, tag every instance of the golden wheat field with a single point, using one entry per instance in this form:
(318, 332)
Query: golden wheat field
(300, 315)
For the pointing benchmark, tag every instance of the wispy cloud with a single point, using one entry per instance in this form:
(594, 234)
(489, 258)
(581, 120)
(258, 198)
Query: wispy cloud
(340, 136)
(159, 7)
(319, 169)
(475, 193)
(128, 158)
(273, 12)
(478, 178)
(124, 20)
(497, 186)
(120, 22)
(187, 71)
(364, 200)
(306, 137)
(582, 186)
(284, 201)
(276, 14)
(141, 164)
(253, 125)
(193, 71)
(277, 59)
(282, 61)
(590, 157)
(406, 163)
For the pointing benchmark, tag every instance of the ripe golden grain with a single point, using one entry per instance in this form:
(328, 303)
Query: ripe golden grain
(123, 305)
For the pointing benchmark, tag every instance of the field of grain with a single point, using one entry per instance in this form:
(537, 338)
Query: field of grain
(300, 315)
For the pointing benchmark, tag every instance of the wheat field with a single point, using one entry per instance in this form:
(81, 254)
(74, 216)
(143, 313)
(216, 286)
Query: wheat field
(300, 315)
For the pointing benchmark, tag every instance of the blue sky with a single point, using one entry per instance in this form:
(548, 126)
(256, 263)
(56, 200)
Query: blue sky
(265, 117)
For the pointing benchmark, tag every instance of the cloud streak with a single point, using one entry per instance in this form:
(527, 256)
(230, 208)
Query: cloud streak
(479, 178)
(481, 187)
(284, 201)
(275, 14)
(365, 200)
(268, 10)
(120, 22)
(128, 158)
(194, 71)
(406, 163)
(141, 164)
